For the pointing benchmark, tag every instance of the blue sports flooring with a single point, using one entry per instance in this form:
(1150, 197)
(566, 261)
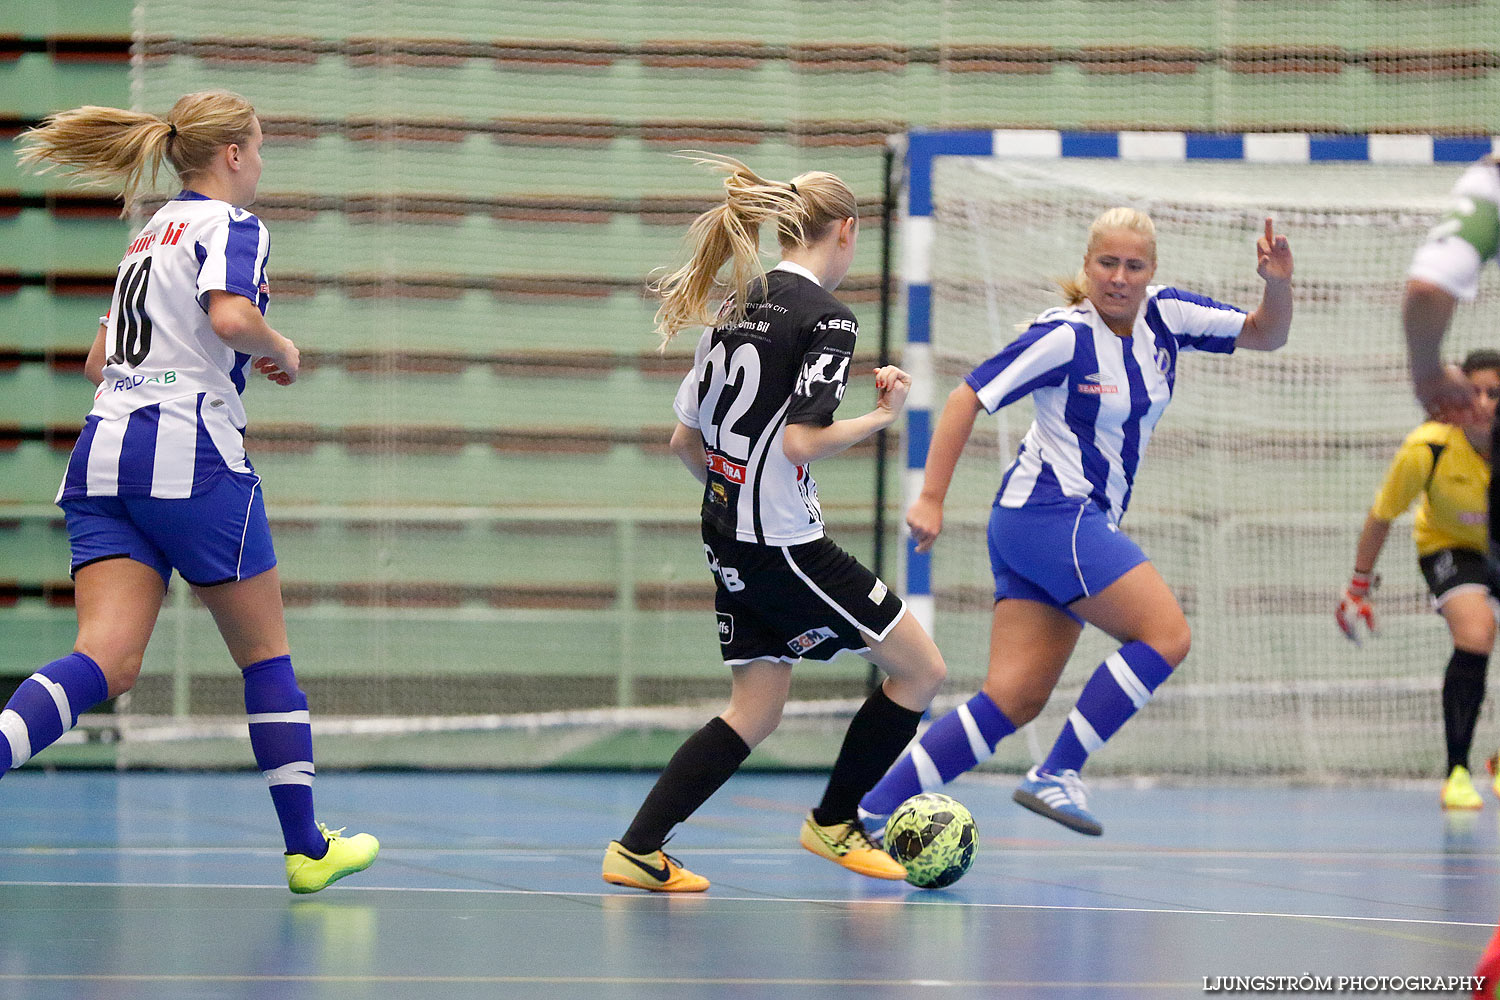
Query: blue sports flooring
(169, 886)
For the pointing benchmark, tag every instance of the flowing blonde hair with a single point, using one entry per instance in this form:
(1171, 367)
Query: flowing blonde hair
(803, 209)
(116, 146)
(1075, 289)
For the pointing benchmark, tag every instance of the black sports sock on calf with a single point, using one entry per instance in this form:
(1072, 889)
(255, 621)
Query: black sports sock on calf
(700, 766)
(1463, 694)
(877, 734)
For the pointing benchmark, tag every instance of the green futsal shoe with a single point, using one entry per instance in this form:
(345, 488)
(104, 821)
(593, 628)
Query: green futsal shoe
(346, 855)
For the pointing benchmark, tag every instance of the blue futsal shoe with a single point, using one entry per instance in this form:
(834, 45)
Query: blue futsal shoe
(1059, 797)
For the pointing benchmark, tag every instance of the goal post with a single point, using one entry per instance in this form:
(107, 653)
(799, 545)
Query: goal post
(1261, 472)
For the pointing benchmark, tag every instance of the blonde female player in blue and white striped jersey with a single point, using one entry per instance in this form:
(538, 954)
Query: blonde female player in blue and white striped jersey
(159, 479)
(1101, 371)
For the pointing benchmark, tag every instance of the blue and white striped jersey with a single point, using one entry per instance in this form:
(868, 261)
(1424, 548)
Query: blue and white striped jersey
(167, 419)
(1098, 396)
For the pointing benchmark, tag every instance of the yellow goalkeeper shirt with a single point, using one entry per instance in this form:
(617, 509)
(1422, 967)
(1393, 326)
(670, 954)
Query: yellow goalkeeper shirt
(1437, 461)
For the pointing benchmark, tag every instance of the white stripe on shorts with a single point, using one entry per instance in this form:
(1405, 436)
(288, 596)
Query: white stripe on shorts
(787, 553)
(1076, 568)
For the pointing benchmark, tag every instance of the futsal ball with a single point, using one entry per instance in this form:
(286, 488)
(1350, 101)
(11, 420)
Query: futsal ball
(933, 837)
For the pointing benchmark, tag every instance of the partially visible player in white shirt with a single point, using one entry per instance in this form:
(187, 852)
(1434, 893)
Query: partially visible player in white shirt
(1100, 370)
(1444, 270)
(159, 480)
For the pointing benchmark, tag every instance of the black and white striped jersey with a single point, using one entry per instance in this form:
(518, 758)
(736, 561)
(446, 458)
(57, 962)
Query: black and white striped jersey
(786, 362)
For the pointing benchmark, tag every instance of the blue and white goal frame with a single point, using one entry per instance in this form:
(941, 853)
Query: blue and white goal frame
(916, 227)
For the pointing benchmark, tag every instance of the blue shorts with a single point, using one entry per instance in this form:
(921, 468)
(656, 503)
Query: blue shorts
(1057, 553)
(217, 537)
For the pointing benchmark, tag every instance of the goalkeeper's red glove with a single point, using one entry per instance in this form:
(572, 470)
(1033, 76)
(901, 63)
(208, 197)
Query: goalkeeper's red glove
(1355, 605)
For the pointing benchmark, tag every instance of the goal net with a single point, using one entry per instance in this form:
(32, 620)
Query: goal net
(1260, 473)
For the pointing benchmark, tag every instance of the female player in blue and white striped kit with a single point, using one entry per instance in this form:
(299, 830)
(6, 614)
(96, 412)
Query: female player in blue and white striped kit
(159, 479)
(1101, 370)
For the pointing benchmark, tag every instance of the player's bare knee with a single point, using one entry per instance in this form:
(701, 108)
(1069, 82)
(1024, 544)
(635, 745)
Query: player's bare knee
(1019, 704)
(752, 725)
(120, 671)
(934, 671)
(1172, 643)
(1478, 639)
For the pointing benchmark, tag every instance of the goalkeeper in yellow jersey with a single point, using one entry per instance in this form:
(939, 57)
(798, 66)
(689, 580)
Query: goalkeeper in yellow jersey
(1449, 466)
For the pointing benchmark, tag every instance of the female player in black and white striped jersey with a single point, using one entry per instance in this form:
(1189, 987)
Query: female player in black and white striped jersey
(159, 479)
(753, 414)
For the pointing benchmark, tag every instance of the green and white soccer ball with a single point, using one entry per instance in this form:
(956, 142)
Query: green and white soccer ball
(933, 837)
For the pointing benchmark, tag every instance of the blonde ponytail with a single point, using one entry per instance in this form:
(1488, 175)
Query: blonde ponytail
(802, 209)
(127, 148)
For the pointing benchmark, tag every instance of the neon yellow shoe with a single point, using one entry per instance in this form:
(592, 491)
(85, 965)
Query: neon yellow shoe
(654, 871)
(1458, 791)
(847, 844)
(346, 855)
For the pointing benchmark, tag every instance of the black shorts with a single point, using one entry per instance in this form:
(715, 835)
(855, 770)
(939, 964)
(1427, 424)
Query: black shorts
(1452, 571)
(809, 601)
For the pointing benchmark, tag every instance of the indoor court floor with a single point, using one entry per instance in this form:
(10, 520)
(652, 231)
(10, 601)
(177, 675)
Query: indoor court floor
(169, 886)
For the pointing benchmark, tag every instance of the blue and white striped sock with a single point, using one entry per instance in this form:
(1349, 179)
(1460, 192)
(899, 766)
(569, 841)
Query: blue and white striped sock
(281, 736)
(952, 745)
(1119, 687)
(48, 704)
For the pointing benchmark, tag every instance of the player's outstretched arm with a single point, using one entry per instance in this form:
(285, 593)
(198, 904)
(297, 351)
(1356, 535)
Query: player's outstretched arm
(1426, 311)
(804, 443)
(240, 325)
(1355, 604)
(1266, 328)
(687, 445)
(955, 424)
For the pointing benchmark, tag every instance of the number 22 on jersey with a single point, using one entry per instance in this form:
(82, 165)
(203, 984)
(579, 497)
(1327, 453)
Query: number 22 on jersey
(740, 373)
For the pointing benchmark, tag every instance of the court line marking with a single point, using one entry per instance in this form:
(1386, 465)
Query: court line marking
(720, 898)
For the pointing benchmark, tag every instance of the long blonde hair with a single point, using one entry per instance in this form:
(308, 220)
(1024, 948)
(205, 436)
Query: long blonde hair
(116, 146)
(1075, 289)
(802, 208)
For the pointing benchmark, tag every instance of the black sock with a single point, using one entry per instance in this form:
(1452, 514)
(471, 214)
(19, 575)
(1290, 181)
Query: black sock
(877, 734)
(1463, 693)
(700, 766)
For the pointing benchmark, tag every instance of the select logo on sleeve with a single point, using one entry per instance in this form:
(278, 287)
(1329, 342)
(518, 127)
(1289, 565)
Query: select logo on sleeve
(809, 639)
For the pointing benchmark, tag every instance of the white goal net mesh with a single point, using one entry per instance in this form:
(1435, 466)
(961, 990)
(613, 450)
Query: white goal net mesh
(1260, 473)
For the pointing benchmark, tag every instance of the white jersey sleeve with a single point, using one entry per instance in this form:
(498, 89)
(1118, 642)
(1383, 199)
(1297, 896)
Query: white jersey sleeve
(235, 259)
(1468, 235)
(686, 403)
(1039, 357)
(1196, 322)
